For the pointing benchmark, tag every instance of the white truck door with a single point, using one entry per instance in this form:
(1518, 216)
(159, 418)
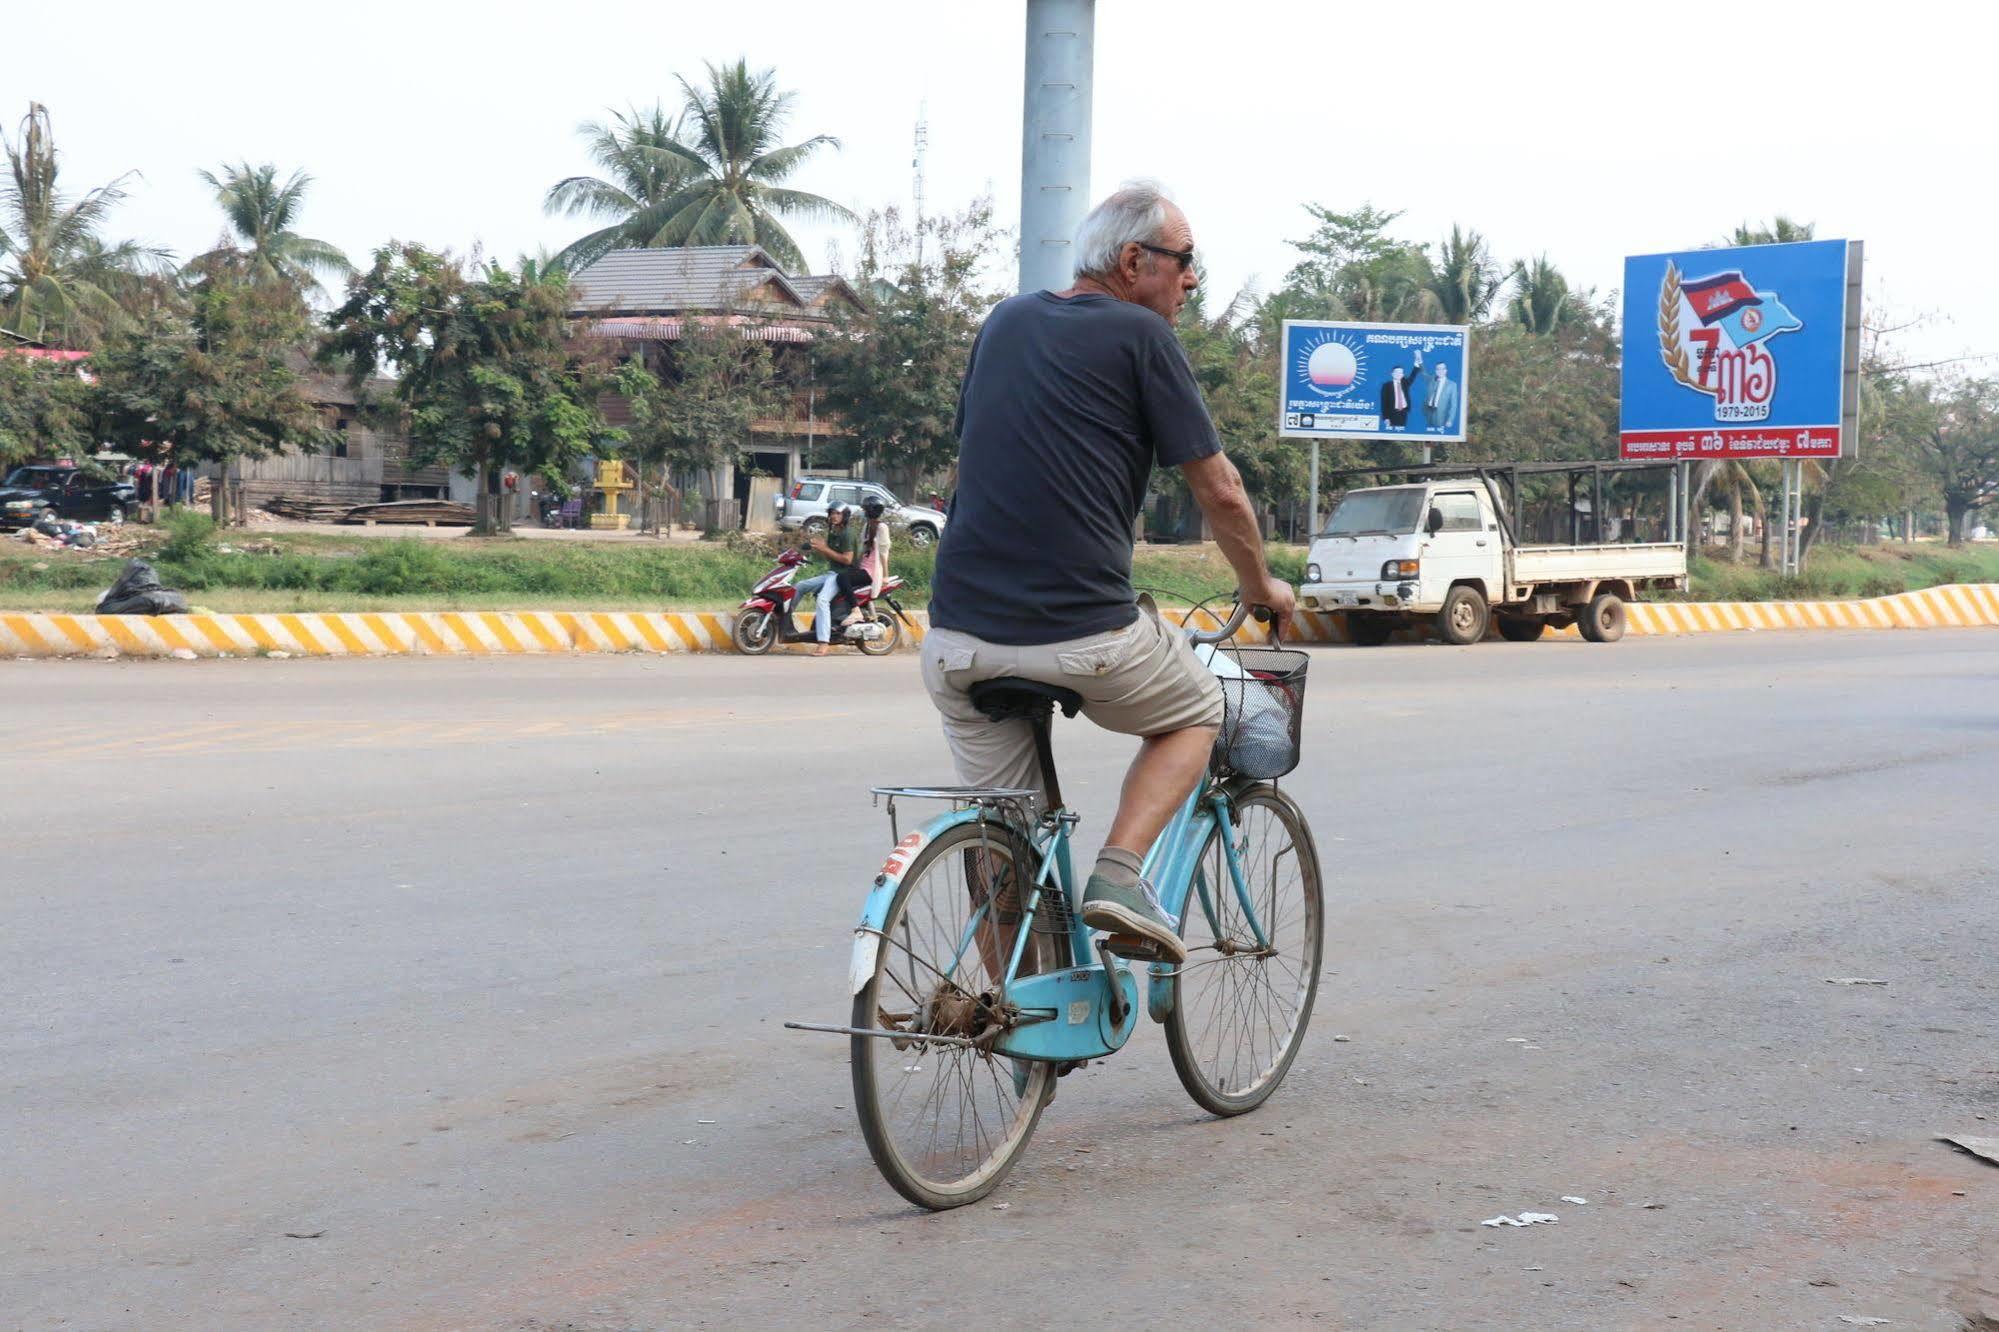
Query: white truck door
(1462, 548)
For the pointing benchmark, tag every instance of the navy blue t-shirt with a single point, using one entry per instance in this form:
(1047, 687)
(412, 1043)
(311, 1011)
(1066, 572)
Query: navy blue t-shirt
(1066, 407)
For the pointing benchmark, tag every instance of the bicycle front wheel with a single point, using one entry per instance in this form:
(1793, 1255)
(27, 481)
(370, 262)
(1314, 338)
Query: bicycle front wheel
(944, 1119)
(1239, 1008)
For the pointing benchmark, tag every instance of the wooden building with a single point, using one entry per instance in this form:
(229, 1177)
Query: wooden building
(644, 299)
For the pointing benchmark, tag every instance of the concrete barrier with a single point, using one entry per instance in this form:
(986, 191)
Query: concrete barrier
(492, 633)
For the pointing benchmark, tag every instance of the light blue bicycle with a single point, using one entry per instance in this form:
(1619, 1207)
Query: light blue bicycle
(975, 984)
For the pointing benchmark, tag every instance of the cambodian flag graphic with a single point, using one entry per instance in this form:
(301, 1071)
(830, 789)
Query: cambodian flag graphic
(1727, 301)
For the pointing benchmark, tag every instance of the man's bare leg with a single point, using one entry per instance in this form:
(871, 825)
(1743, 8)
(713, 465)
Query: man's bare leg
(1167, 768)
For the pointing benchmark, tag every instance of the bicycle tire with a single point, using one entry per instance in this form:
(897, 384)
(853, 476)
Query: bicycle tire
(880, 1091)
(1215, 996)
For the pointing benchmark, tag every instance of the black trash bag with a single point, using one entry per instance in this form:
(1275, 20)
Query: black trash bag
(138, 592)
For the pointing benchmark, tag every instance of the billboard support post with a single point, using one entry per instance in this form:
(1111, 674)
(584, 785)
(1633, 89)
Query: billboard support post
(1312, 518)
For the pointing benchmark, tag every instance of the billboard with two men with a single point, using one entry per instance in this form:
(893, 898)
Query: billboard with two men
(1373, 381)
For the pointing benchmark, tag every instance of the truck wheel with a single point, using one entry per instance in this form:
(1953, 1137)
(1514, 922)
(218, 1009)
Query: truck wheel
(1369, 630)
(1602, 621)
(1461, 622)
(1521, 628)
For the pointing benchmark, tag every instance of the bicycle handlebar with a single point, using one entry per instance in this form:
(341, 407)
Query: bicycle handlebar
(1242, 612)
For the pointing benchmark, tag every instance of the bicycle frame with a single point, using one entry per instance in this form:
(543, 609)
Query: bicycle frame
(1072, 997)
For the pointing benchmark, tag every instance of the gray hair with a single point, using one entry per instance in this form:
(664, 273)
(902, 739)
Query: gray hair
(1137, 212)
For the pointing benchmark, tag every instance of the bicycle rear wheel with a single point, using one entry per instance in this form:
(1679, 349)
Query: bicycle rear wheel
(1239, 1011)
(945, 1122)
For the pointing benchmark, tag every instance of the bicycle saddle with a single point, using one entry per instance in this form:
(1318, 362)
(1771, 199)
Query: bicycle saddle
(1013, 699)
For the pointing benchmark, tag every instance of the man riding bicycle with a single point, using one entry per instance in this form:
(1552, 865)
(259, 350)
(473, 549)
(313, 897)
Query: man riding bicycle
(1068, 402)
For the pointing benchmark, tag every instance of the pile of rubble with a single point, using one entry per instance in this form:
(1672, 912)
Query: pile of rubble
(98, 539)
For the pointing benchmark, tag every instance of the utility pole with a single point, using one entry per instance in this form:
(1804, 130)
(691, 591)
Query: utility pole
(1055, 139)
(916, 170)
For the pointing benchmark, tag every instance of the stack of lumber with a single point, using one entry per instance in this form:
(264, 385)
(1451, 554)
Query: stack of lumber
(306, 509)
(422, 513)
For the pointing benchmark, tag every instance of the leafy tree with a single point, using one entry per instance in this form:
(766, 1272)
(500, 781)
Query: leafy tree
(698, 413)
(213, 381)
(1957, 438)
(732, 192)
(44, 409)
(265, 250)
(1545, 397)
(60, 281)
(1352, 269)
(485, 372)
(890, 372)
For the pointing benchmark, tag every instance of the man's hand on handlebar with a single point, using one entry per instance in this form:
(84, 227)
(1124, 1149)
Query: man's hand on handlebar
(1279, 598)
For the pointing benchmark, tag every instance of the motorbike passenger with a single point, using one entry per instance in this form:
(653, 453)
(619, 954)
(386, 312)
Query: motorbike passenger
(838, 550)
(868, 570)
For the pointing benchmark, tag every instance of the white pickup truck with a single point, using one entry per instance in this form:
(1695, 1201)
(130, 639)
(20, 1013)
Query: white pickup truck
(1439, 551)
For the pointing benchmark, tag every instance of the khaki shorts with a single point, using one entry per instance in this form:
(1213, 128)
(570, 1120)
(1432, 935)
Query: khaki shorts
(1140, 680)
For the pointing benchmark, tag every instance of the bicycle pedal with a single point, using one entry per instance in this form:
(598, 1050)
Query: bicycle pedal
(1134, 948)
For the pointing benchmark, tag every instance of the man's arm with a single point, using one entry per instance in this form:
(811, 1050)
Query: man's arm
(1217, 488)
(832, 556)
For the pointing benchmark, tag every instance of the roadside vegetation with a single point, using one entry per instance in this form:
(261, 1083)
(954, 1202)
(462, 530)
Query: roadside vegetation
(235, 570)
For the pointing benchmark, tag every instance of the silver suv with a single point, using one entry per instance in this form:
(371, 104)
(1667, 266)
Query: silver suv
(805, 507)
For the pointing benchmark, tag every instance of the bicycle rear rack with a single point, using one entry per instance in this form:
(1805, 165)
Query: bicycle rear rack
(1014, 803)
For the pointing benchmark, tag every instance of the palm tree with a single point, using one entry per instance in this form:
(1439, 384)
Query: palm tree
(732, 193)
(1781, 230)
(645, 161)
(1541, 301)
(266, 250)
(59, 281)
(1467, 278)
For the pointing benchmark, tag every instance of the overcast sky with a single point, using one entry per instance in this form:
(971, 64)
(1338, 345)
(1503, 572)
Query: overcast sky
(1585, 131)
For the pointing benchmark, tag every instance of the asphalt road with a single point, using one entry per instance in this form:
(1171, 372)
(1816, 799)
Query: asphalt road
(413, 993)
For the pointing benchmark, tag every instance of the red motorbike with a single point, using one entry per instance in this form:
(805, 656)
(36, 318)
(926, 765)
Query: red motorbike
(765, 617)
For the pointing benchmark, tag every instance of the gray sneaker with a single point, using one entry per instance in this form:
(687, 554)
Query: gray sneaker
(1137, 924)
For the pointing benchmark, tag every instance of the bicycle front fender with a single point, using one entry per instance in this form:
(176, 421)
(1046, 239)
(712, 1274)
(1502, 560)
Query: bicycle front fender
(874, 913)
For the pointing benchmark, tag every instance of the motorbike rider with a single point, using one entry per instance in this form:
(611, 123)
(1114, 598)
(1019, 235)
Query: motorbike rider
(838, 550)
(868, 569)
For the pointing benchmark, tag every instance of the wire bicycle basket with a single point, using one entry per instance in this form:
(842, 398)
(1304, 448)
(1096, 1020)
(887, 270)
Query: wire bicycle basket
(1263, 709)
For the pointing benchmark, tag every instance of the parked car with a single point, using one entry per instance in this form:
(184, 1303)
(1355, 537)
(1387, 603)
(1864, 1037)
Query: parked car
(68, 492)
(805, 507)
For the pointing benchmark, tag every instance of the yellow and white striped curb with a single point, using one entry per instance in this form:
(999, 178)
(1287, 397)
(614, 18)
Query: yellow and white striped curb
(496, 633)
(362, 634)
(1954, 606)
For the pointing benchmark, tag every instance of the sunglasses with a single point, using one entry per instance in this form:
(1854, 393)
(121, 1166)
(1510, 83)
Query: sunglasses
(1185, 257)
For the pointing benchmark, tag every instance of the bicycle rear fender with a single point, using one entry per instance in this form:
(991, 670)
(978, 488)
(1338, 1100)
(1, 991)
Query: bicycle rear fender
(874, 913)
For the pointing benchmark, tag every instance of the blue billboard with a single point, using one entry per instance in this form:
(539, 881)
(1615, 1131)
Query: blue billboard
(1373, 381)
(1740, 353)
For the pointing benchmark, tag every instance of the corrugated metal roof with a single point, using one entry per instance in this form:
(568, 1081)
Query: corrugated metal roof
(704, 277)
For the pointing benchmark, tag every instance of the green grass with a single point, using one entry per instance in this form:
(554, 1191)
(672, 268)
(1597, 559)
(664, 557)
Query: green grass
(290, 572)
(1839, 572)
(333, 571)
